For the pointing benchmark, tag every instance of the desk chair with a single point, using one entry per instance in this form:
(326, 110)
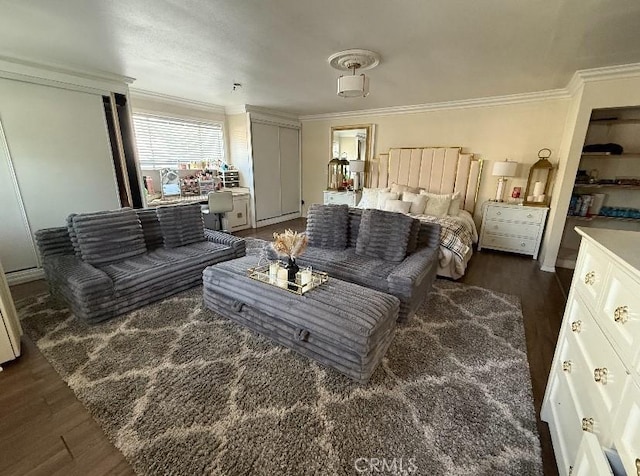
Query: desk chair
(219, 203)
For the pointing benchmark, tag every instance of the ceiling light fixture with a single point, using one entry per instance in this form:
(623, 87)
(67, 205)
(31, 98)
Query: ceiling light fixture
(350, 86)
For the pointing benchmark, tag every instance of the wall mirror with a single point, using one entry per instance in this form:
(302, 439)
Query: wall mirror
(348, 144)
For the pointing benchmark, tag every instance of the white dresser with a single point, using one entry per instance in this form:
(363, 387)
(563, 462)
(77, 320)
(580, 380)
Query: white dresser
(347, 197)
(594, 384)
(514, 228)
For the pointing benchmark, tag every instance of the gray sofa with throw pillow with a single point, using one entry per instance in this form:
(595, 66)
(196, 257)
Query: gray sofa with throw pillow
(107, 263)
(386, 251)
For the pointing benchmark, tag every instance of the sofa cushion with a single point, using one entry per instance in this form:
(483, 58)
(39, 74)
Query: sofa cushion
(72, 236)
(164, 265)
(384, 235)
(328, 226)
(412, 244)
(150, 228)
(181, 224)
(109, 236)
(355, 215)
(346, 265)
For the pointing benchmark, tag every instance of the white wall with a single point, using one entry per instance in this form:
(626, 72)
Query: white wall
(595, 94)
(514, 131)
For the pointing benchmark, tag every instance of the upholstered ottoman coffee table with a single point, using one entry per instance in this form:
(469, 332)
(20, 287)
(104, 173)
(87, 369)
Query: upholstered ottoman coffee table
(339, 324)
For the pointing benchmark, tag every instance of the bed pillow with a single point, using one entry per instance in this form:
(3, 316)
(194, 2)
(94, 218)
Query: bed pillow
(399, 206)
(384, 196)
(384, 235)
(370, 197)
(418, 202)
(328, 226)
(437, 205)
(454, 208)
(400, 189)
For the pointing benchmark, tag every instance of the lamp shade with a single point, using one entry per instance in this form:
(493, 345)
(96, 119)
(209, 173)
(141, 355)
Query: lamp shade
(504, 169)
(356, 165)
(352, 86)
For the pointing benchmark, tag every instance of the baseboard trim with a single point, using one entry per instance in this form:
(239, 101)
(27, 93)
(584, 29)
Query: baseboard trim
(548, 269)
(25, 276)
(273, 221)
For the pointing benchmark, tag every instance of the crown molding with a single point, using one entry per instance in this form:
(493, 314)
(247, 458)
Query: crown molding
(62, 76)
(143, 94)
(441, 106)
(609, 72)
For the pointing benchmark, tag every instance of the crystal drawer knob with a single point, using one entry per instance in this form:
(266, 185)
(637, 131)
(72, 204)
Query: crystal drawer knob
(590, 278)
(621, 314)
(529, 215)
(566, 366)
(600, 375)
(498, 213)
(587, 424)
(576, 326)
(523, 244)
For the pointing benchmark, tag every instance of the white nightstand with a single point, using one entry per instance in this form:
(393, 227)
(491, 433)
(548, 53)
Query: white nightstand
(514, 228)
(347, 197)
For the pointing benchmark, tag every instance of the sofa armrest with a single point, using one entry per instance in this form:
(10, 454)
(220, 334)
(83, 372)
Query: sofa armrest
(416, 269)
(237, 244)
(53, 242)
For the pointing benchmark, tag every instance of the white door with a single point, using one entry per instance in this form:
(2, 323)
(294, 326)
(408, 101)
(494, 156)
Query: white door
(10, 329)
(17, 250)
(266, 170)
(59, 147)
(289, 170)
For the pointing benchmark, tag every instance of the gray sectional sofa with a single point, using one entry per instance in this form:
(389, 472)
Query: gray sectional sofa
(385, 251)
(107, 263)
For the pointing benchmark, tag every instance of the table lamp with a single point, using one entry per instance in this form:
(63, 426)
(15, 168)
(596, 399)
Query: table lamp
(503, 170)
(356, 167)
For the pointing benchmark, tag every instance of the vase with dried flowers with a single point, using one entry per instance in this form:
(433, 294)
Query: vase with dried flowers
(290, 244)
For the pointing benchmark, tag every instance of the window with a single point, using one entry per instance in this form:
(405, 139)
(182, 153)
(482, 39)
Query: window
(166, 142)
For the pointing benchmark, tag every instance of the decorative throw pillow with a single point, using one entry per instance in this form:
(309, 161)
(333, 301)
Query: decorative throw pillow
(109, 236)
(397, 206)
(383, 197)
(437, 205)
(454, 208)
(181, 224)
(328, 226)
(384, 235)
(418, 202)
(370, 197)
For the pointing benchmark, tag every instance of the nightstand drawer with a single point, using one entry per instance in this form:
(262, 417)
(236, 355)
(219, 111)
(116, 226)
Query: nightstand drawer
(514, 229)
(526, 215)
(509, 243)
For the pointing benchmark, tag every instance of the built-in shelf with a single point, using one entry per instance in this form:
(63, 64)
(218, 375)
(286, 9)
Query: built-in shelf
(609, 122)
(609, 155)
(602, 217)
(607, 185)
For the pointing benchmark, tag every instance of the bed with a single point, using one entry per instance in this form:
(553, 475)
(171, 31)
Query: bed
(437, 170)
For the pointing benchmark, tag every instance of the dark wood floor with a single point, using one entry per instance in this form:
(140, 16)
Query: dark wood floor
(45, 430)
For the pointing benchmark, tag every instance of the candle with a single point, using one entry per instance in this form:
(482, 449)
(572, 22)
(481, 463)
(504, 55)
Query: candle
(305, 277)
(273, 272)
(283, 276)
(538, 189)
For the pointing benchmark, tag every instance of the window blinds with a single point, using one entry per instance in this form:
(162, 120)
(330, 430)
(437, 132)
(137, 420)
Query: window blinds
(165, 142)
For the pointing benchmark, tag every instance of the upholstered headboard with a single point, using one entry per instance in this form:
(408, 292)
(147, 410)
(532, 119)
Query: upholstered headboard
(435, 169)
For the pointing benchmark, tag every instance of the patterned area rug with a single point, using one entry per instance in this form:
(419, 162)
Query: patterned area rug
(181, 390)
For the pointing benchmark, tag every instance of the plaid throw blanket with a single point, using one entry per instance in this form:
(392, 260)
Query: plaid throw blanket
(454, 234)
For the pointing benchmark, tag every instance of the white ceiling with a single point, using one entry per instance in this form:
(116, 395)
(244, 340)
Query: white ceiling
(432, 51)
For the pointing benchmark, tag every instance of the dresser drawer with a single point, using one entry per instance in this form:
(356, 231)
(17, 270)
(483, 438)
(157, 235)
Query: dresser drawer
(590, 459)
(620, 312)
(340, 198)
(591, 270)
(564, 424)
(514, 229)
(525, 215)
(509, 243)
(627, 428)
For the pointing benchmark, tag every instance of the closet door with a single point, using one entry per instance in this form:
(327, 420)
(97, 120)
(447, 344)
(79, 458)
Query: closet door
(289, 170)
(266, 170)
(17, 251)
(60, 151)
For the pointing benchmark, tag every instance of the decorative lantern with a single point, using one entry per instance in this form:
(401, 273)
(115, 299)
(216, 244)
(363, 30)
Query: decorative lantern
(345, 172)
(540, 180)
